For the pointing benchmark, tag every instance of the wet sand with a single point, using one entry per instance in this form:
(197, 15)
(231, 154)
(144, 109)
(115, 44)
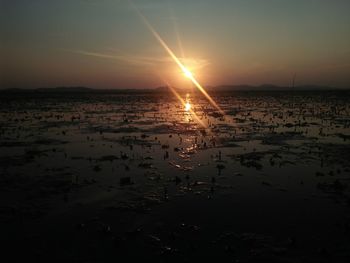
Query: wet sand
(121, 177)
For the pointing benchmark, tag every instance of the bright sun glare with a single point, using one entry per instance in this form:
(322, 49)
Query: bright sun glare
(188, 73)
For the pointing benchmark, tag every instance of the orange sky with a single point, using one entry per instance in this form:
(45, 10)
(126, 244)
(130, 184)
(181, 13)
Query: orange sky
(105, 44)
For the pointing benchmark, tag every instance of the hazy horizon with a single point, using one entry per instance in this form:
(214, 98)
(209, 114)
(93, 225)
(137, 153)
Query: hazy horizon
(238, 87)
(105, 44)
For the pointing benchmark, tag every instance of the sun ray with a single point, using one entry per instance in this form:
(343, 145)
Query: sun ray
(176, 60)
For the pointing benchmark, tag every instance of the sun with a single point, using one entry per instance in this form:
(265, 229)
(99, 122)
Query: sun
(187, 73)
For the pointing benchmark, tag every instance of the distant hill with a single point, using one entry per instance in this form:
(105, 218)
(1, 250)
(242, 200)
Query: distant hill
(75, 90)
(46, 90)
(268, 87)
(222, 88)
(64, 89)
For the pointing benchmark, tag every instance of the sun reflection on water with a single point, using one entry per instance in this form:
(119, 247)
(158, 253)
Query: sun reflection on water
(188, 105)
(188, 108)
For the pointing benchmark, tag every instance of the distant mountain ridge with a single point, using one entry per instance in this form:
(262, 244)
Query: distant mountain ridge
(222, 88)
(270, 87)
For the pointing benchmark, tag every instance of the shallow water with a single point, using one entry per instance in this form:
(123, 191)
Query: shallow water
(143, 177)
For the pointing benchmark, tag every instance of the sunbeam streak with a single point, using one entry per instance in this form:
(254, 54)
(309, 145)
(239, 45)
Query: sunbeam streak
(187, 73)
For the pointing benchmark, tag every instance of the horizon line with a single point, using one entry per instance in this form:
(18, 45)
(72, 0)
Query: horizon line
(224, 87)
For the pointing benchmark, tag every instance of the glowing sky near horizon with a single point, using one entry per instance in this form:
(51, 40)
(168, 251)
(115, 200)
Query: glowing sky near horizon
(103, 44)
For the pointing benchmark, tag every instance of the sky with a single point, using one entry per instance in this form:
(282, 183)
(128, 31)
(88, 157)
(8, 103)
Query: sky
(106, 43)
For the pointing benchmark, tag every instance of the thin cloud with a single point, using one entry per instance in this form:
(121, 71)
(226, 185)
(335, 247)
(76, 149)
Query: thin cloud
(125, 58)
(142, 60)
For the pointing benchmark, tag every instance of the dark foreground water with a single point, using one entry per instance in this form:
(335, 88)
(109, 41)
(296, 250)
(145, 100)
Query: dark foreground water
(122, 177)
